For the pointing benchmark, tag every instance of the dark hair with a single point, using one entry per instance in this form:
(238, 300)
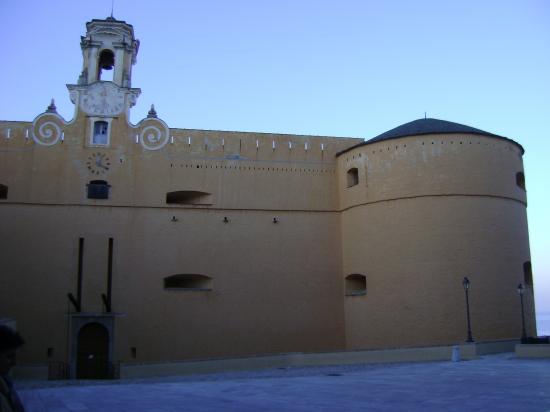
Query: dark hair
(9, 339)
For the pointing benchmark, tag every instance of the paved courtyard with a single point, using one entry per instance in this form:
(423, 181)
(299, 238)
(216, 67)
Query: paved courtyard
(491, 383)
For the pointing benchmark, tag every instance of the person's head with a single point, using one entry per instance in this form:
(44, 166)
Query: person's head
(10, 341)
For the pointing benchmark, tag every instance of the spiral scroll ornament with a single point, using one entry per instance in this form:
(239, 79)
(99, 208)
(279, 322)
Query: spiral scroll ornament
(154, 134)
(47, 129)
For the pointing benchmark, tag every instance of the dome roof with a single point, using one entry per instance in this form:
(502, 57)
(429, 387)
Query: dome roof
(429, 126)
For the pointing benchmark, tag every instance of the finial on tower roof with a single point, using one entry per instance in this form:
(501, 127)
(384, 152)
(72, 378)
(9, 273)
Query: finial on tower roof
(152, 112)
(51, 108)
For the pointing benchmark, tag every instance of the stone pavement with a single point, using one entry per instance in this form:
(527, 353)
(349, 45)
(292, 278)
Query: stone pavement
(491, 383)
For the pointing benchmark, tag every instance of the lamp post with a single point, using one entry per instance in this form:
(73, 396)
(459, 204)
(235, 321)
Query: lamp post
(521, 290)
(466, 286)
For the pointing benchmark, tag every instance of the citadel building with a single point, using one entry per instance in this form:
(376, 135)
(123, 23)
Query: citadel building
(125, 244)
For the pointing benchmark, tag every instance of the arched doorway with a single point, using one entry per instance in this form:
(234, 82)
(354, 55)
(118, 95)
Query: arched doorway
(92, 352)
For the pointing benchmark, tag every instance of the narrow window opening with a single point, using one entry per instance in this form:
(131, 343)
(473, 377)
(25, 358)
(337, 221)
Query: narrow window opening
(191, 282)
(527, 274)
(3, 191)
(520, 180)
(356, 285)
(353, 177)
(133, 350)
(50, 352)
(98, 189)
(189, 197)
(101, 133)
(107, 63)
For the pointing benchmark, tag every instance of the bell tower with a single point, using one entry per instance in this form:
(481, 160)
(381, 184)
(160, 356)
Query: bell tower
(108, 45)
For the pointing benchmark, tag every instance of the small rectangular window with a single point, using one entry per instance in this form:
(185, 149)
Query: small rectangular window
(188, 282)
(101, 133)
(98, 189)
(189, 197)
(352, 177)
(356, 285)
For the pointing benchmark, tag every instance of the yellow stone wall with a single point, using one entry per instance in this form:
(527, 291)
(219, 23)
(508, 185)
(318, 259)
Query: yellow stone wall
(427, 211)
(276, 286)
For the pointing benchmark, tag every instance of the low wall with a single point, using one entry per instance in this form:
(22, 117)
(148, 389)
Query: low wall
(533, 351)
(424, 354)
(467, 351)
(498, 346)
(285, 360)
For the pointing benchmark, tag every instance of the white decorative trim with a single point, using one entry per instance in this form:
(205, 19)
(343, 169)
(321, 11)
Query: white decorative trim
(154, 134)
(92, 121)
(98, 28)
(48, 132)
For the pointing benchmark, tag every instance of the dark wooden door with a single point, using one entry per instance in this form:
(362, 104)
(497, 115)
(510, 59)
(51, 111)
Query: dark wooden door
(93, 352)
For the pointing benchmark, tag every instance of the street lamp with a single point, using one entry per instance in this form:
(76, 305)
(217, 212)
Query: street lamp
(521, 290)
(466, 286)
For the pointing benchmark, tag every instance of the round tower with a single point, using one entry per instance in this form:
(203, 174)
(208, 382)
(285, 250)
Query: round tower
(423, 206)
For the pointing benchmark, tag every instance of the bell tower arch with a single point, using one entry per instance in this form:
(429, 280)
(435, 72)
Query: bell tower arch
(109, 44)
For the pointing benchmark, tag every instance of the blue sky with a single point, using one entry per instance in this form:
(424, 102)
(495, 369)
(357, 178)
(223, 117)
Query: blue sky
(339, 68)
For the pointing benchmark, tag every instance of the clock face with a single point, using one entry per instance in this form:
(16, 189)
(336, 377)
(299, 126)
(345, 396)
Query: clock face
(102, 98)
(98, 163)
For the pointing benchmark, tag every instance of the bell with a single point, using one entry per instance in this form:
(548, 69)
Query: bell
(106, 60)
